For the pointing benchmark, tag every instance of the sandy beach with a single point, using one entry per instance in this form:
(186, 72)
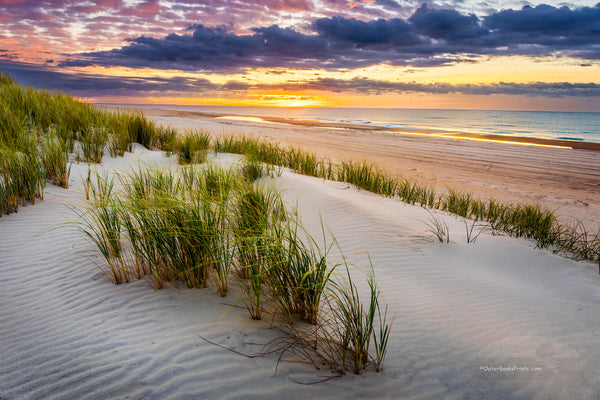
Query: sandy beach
(563, 176)
(312, 200)
(494, 319)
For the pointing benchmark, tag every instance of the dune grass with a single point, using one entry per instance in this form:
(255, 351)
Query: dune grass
(439, 228)
(299, 274)
(367, 176)
(22, 179)
(357, 321)
(517, 220)
(40, 130)
(271, 153)
(192, 147)
(55, 158)
(204, 225)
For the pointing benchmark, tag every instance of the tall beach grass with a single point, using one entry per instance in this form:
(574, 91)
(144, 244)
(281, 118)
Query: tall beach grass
(41, 132)
(203, 226)
(528, 221)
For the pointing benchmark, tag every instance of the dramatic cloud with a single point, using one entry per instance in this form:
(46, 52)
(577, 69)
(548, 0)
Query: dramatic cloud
(215, 49)
(93, 85)
(40, 39)
(347, 33)
(576, 32)
(428, 37)
(83, 25)
(447, 25)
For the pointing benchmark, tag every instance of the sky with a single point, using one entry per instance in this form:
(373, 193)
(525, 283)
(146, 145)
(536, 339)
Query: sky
(463, 54)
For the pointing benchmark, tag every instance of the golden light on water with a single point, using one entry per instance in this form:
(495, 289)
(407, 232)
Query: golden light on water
(477, 139)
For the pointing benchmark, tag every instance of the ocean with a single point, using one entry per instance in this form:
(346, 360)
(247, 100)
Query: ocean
(581, 126)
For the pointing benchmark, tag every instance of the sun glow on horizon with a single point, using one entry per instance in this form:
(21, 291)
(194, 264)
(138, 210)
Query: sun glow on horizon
(307, 88)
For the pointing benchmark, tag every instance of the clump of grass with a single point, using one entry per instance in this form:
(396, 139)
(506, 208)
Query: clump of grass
(164, 225)
(218, 183)
(192, 147)
(102, 225)
(252, 169)
(93, 141)
(134, 127)
(119, 142)
(472, 235)
(367, 176)
(56, 159)
(299, 275)
(221, 243)
(271, 153)
(381, 336)
(357, 322)
(22, 179)
(577, 242)
(531, 222)
(439, 228)
(346, 331)
(166, 138)
(415, 193)
(140, 129)
(458, 203)
(258, 213)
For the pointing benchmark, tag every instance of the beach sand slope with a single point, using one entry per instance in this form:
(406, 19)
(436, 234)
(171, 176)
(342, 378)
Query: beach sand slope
(494, 319)
(563, 180)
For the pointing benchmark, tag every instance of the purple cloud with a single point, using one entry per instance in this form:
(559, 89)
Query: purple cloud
(428, 37)
(126, 86)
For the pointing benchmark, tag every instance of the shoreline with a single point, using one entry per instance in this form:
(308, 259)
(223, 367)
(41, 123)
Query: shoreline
(563, 180)
(522, 140)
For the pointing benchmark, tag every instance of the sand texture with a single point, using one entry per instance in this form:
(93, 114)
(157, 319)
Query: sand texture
(564, 180)
(464, 314)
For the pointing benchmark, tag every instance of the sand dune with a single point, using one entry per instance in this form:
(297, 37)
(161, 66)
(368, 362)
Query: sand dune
(560, 179)
(464, 314)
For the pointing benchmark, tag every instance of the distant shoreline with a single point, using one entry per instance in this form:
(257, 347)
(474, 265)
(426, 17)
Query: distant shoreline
(564, 180)
(522, 140)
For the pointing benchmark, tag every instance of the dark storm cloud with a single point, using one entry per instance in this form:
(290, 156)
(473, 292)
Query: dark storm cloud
(547, 21)
(429, 37)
